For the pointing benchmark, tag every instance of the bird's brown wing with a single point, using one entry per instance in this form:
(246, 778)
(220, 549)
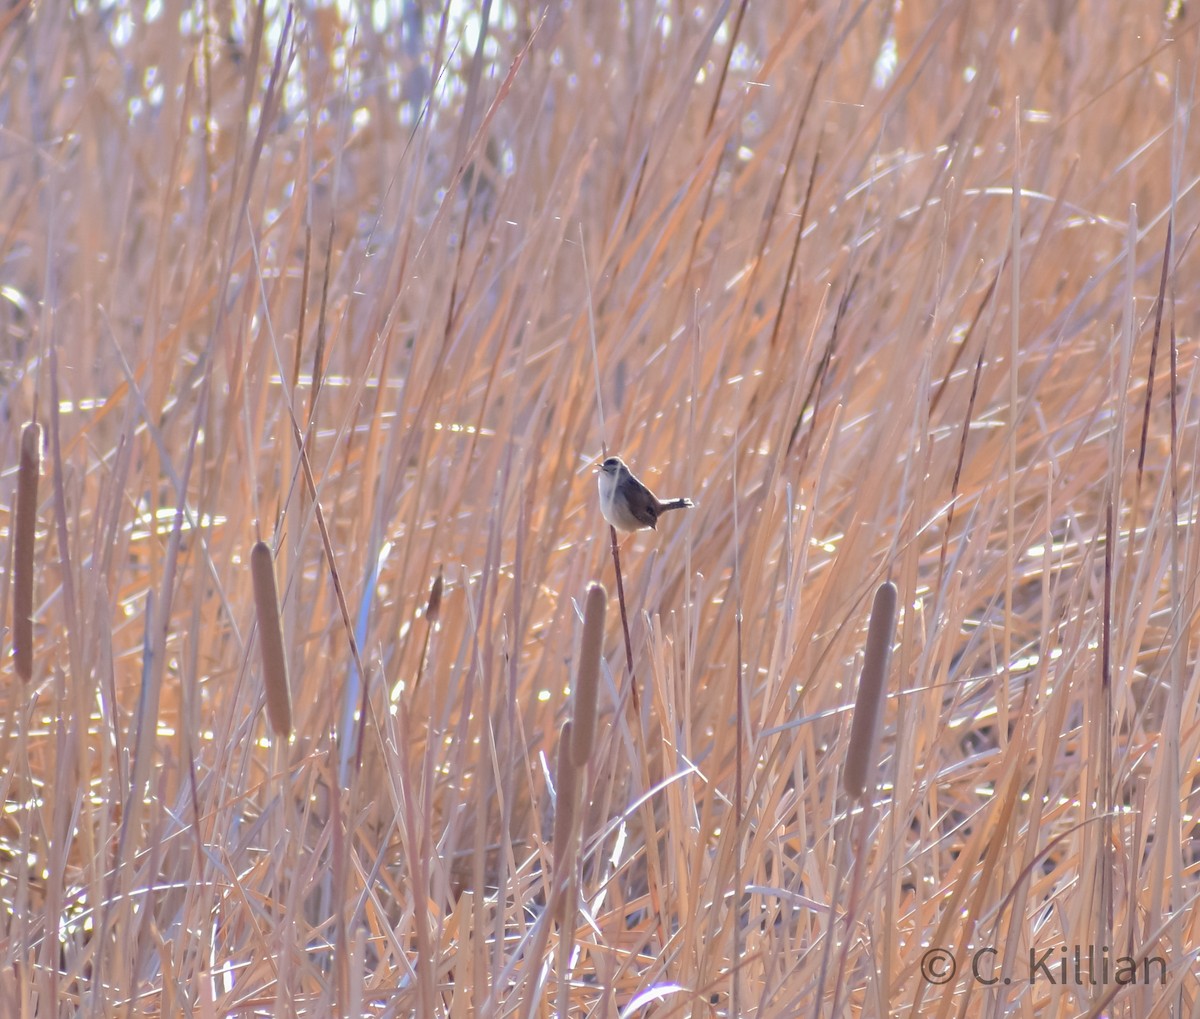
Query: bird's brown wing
(642, 502)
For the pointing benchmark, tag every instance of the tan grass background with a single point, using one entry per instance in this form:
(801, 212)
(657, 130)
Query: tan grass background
(779, 242)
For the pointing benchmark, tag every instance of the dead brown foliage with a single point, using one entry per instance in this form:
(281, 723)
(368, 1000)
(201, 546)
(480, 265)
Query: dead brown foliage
(893, 292)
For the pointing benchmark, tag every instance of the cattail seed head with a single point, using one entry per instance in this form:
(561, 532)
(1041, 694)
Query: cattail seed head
(587, 680)
(270, 640)
(861, 755)
(565, 795)
(433, 607)
(24, 537)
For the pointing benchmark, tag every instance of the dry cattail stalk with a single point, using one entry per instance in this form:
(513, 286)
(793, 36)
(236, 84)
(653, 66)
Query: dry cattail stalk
(587, 680)
(565, 795)
(270, 640)
(434, 606)
(433, 609)
(860, 758)
(25, 531)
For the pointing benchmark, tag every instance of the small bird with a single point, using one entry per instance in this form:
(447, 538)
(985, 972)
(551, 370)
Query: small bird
(626, 503)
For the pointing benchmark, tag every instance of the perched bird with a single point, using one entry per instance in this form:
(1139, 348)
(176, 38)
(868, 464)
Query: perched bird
(626, 503)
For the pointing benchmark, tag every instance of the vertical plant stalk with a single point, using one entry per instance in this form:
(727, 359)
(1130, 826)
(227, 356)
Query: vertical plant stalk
(578, 741)
(564, 892)
(25, 535)
(858, 776)
(739, 753)
(633, 689)
(270, 641)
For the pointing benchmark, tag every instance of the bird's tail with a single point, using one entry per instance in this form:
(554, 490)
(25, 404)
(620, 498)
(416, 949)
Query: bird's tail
(669, 504)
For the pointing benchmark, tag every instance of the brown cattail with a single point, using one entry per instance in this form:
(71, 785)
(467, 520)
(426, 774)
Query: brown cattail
(860, 758)
(566, 793)
(24, 535)
(270, 640)
(434, 606)
(587, 680)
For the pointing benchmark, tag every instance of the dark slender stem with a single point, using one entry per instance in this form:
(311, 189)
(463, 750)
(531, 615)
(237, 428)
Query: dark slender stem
(738, 815)
(633, 690)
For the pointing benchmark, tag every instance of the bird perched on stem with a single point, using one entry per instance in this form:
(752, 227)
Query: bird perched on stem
(626, 503)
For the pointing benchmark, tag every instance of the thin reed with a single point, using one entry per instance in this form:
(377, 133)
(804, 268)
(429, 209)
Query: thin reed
(894, 292)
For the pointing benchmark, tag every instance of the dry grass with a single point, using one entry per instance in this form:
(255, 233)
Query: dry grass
(323, 282)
